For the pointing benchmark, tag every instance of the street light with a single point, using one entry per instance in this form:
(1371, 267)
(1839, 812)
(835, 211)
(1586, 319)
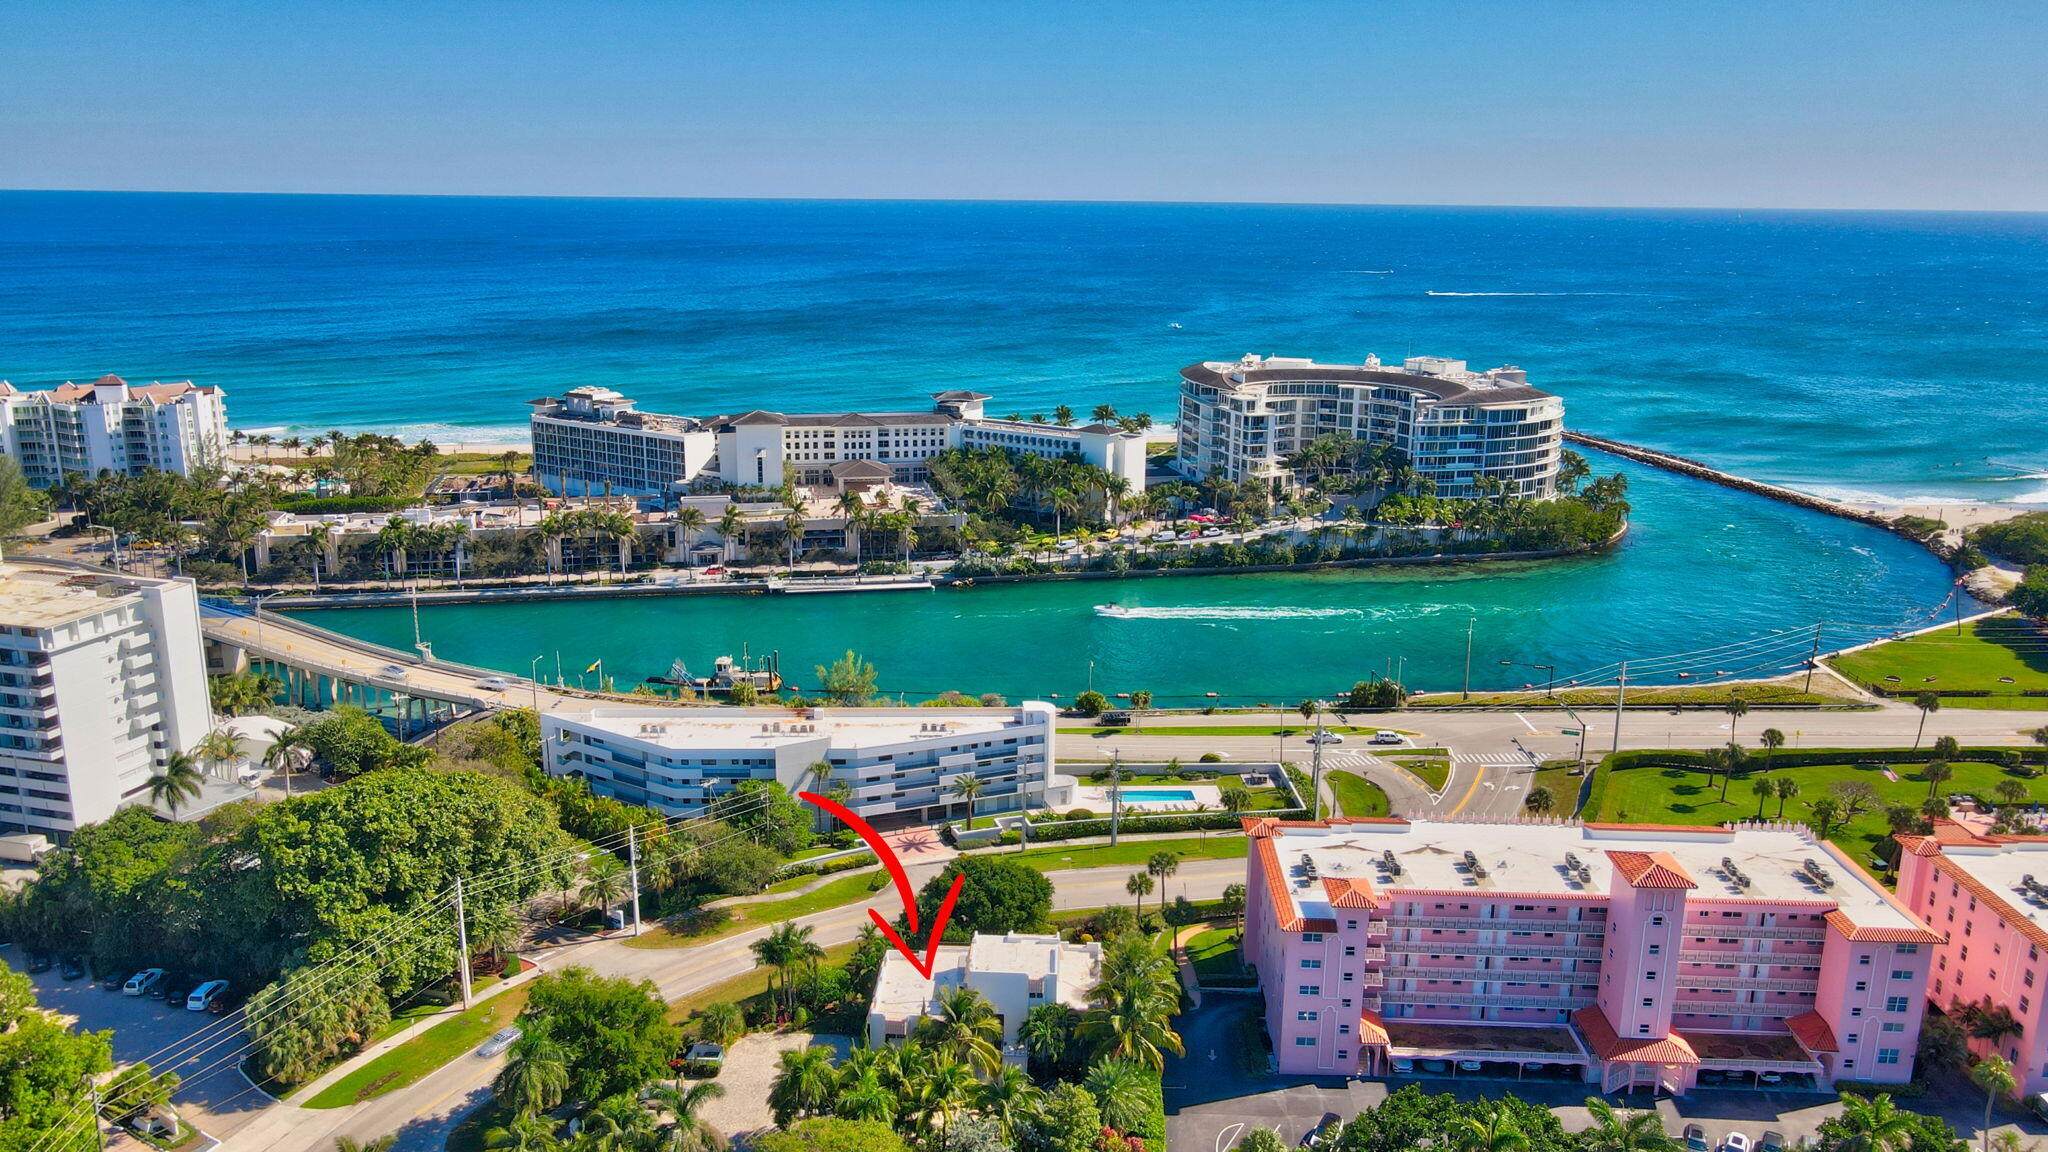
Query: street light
(1549, 673)
(533, 681)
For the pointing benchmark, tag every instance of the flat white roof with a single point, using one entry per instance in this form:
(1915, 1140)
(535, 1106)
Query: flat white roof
(728, 728)
(1529, 857)
(901, 992)
(33, 597)
(2005, 868)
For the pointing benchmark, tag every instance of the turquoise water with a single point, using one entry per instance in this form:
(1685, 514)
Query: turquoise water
(1156, 795)
(1890, 353)
(1703, 567)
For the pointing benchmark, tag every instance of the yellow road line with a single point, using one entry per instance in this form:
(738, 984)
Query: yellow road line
(1473, 787)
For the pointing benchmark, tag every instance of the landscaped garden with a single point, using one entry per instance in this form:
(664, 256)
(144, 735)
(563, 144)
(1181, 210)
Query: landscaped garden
(1859, 795)
(1997, 658)
(1357, 796)
(1215, 956)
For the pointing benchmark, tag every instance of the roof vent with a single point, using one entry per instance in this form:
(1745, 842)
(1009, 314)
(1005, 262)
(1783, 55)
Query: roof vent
(1390, 862)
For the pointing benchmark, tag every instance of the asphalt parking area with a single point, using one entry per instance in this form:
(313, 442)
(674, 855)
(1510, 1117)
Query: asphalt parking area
(202, 1048)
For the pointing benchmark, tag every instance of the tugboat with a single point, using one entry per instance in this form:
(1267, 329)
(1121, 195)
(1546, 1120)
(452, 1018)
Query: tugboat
(726, 673)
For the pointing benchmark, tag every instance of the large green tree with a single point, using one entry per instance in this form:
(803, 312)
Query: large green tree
(830, 1134)
(613, 1031)
(769, 814)
(48, 1070)
(1000, 895)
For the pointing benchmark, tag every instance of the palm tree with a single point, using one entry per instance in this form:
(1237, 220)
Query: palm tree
(1785, 788)
(318, 536)
(1008, 1096)
(1162, 864)
(1540, 800)
(2040, 736)
(1047, 1033)
(1139, 886)
(523, 1134)
(1995, 1077)
(377, 1144)
(968, 788)
(535, 1079)
(2010, 792)
(1133, 1005)
(1826, 811)
(1618, 1131)
(1120, 1091)
(803, 1083)
(179, 781)
(863, 1096)
(730, 524)
(285, 752)
(1928, 704)
(1947, 748)
(1873, 1124)
(966, 1029)
(605, 883)
(945, 1089)
(1764, 788)
(1498, 1132)
(787, 947)
(618, 1123)
(689, 1130)
(1772, 740)
(1991, 1023)
(1233, 903)
(689, 522)
(217, 748)
(1729, 759)
(1935, 773)
(1736, 708)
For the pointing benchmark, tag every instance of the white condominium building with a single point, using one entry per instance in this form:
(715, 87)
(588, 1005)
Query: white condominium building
(901, 764)
(102, 677)
(1014, 972)
(111, 425)
(596, 436)
(1241, 421)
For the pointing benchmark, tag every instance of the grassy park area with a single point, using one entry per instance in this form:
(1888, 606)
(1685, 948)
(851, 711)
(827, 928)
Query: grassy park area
(1214, 953)
(1789, 691)
(1220, 845)
(2003, 656)
(405, 1064)
(1692, 796)
(716, 923)
(1357, 796)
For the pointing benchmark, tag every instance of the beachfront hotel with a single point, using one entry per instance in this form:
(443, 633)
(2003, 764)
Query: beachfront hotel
(597, 437)
(1986, 895)
(1241, 421)
(102, 677)
(1622, 955)
(901, 764)
(111, 425)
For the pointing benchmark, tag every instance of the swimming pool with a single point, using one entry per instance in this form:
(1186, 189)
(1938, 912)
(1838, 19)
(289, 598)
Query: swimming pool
(1157, 795)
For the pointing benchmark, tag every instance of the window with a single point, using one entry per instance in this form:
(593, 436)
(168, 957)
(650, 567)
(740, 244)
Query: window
(1863, 959)
(1855, 1012)
(1887, 1055)
(1896, 1003)
(1852, 1038)
(1656, 949)
(1352, 924)
(1311, 937)
(1648, 1002)
(1304, 1041)
(1902, 973)
(1891, 1026)
(1308, 1017)
(1343, 1029)
(1658, 921)
(1863, 985)
(1311, 963)
(1317, 990)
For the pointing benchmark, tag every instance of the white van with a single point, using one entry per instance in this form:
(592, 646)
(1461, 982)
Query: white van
(140, 983)
(203, 996)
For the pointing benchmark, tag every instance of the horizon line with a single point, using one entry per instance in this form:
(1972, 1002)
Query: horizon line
(1107, 201)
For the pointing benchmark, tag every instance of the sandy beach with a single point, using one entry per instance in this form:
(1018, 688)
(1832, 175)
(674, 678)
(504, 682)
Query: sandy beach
(1958, 515)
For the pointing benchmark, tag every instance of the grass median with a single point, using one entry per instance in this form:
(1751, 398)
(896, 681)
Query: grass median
(1219, 845)
(406, 1064)
(1357, 796)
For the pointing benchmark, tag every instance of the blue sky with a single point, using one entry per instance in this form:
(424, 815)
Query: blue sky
(1786, 103)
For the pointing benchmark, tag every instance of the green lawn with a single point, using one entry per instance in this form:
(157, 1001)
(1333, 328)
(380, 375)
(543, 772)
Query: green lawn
(716, 923)
(1219, 845)
(1430, 765)
(1214, 953)
(422, 1054)
(1986, 653)
(1357, 796)
(752, 982)
(1637, 697)
(1564, 788)
(1297, 731)
(1690, 796)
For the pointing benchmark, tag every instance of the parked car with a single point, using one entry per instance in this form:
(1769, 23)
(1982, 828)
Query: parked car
(1404, 1066)
(201, 998)
(1385, 737)
(1192, 534)
(174, 987)
(141, 983)
(1773, 1141)
(40, 962)
(110, 981)
(1212, 531)
(1695, 1138)
(1326, 738)
(493, 683)
(500, 1040)
(714, 570)
(1469, 1066)
(1770, 1077)
(1735, 1142)
(1163, 537)
(72, 968)
(394, 672)
(1325, 1129)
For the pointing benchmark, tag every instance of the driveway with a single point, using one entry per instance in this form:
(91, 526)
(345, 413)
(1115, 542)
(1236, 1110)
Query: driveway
(749, 1070)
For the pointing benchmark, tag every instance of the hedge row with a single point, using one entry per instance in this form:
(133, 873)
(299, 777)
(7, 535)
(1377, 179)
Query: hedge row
(1185, 822)
(1907, 693)
(322, 505)
(1807, 757)
(826, 867)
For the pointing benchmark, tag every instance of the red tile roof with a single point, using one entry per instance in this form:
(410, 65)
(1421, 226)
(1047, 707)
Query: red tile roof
(1602, 1042)
(1651, 870)
(1812, 1032)
(1840, 922)
(1345, 892)
(1372, 1028)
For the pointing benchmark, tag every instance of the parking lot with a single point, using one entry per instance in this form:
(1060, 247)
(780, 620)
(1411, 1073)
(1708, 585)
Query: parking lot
(203, 1049)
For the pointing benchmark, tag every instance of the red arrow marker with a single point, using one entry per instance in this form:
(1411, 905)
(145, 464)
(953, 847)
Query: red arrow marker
(887, 855)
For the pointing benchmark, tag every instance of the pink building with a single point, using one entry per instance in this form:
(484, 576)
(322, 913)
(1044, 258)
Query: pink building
(1986, 894)
(1625, 955)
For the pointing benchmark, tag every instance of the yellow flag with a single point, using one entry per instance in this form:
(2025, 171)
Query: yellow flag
(594, 666)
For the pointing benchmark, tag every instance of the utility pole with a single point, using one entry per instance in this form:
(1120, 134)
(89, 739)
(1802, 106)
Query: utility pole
(1620, 693)
(461, 943)
(1116, 796)
(1469, 626)
(1315, 758)
(1813, 661)
(633, 870)
(99, 1130)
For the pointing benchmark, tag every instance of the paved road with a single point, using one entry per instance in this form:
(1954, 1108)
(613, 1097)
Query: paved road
(423, 1114)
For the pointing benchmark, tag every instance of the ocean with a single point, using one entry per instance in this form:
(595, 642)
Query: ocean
(1850, 354)
(1872, 354)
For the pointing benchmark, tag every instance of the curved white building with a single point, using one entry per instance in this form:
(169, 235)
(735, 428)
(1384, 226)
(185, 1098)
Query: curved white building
(1241, 420)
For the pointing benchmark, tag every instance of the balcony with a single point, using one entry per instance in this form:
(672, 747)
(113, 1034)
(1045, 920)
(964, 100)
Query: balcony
(1496, 948)
(1697, 981)
(1726, 1008)
(1445, 999)
(1762, 932)
(1475, 924)
(1700, 956)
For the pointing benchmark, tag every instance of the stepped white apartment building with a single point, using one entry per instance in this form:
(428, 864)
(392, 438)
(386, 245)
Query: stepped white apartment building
(1627, 955)
(1242, 420)
(111, 425)
(1015, 973)
(597, 436)
(102, 677)
(901, 763)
